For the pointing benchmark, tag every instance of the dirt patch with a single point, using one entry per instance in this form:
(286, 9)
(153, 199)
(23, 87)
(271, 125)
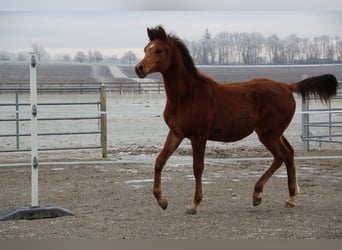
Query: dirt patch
(115, 202)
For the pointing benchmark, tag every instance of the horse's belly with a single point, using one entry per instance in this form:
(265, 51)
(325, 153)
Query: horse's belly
(233, 130)
(231, 136)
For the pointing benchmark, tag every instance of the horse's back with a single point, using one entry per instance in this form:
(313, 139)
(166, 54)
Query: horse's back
(261, 91)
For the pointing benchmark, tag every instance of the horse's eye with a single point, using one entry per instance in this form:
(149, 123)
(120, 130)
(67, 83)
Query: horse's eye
(159, 51)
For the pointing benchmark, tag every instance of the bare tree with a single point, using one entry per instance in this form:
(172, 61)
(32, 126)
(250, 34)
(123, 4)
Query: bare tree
(291, 48)
(66, 58)
(39, 51)
(129, 57)
(205, 47)
(98, 56)
(274, 46)
(90, 56)
(80, 56)
(223, 45)
(253, 44)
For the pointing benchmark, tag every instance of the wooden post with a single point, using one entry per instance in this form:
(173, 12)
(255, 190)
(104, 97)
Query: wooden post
(103, 100)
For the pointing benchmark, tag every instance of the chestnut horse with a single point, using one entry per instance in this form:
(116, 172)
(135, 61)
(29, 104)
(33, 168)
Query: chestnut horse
(200, 109)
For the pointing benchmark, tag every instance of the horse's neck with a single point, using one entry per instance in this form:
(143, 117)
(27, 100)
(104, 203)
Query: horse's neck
(177, 83)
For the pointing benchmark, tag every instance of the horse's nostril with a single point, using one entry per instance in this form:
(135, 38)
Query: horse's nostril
(139, 69)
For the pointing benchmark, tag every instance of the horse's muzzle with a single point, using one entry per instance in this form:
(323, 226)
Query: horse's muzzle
(139, 70)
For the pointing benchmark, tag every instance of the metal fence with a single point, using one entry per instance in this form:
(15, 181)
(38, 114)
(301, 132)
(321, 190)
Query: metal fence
(84, 88)
(322, 124)
(14, 113)
(136, 87)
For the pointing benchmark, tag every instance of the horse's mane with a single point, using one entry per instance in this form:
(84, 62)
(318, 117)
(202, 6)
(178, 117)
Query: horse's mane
(159, 33)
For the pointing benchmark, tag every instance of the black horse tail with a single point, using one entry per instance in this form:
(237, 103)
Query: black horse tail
(323, 87)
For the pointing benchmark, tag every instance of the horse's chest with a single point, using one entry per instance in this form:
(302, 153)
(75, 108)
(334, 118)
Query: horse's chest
(186, 123)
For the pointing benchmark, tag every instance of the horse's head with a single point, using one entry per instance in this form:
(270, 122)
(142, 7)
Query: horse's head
(157, 53)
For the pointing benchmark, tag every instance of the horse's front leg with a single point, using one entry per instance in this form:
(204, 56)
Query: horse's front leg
(171, 144)
(198, 150)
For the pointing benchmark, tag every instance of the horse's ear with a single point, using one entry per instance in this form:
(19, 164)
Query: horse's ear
(162, 33)
(156, 33)
(149, 33)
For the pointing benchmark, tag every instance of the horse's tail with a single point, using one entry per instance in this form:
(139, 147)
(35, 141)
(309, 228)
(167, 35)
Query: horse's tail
(324, 87)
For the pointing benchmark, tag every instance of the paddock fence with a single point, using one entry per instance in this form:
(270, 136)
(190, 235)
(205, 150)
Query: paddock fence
(136, 87)
(319, 124)
(15, 114)
(322, 123)
(122, 87)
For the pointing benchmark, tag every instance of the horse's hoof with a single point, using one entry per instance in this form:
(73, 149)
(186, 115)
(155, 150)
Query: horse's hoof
(289, 204)
(190, 210)
(163, 204)
(256, 201)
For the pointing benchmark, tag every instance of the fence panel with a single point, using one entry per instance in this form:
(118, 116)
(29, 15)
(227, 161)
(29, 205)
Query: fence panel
(63, 114)
(136, 87)
(322, 124)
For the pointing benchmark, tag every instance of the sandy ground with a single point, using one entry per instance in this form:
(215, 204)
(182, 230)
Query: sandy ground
(113, 200)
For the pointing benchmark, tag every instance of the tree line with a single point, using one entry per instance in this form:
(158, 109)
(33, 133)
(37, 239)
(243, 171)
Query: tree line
(254, 48)
(225, 48)
(96, 56)
(90, 56)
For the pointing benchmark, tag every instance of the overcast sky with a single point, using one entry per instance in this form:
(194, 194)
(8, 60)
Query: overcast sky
(83, 25)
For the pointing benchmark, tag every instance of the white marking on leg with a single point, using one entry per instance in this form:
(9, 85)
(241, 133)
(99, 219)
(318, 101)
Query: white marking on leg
(297, 189)
(290, 202)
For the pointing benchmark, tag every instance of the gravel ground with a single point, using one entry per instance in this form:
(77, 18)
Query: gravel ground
(115, 202)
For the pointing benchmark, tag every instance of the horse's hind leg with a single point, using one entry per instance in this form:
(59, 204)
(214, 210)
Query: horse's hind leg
(198, 150)
(277, 161)
(291, 174)
(282, 151)
(171, 144)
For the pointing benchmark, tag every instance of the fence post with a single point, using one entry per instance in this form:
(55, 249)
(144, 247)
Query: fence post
(17, 117)
(103, 100)
(34, 211)
(305, 123)
(330, 121)
(34, 130)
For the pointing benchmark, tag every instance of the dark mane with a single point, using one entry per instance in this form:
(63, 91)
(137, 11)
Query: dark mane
(159, 33)
(187, 59)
